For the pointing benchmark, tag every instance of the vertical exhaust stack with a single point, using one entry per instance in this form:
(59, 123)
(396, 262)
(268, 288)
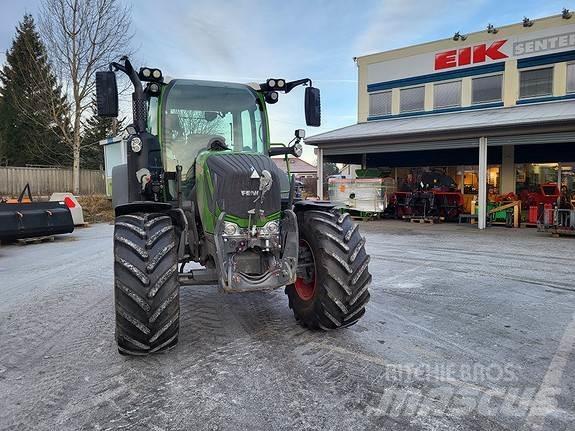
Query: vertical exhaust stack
(139, 109)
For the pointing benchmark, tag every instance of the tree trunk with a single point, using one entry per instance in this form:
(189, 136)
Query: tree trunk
(76, 149)
(76, 170)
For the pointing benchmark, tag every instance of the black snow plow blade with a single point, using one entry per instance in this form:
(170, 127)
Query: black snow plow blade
(34, 219)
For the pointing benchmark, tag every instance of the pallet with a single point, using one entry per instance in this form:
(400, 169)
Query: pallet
(467, 218)
(35, 240)
(562, 232)
(422, 220)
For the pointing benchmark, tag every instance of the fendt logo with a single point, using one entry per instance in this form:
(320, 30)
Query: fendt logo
(469, 55)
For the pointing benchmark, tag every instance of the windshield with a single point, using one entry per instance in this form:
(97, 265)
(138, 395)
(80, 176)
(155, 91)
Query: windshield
(195, 112)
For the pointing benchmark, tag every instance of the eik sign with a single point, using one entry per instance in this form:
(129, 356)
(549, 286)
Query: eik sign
(476, 54)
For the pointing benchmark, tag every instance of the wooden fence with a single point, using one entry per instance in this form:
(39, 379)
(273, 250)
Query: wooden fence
(45, 181)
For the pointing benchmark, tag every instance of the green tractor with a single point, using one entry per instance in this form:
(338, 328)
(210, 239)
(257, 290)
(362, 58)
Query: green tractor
(199, 186)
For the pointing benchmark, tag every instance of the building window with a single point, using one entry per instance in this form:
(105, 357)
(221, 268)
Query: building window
(536, 82)
(380, 103)
(447, 94)
(486, 89)
(571, 78)
(411, 99)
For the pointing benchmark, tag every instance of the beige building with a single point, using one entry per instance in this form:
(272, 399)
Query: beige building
(298, 167)
(492, 108)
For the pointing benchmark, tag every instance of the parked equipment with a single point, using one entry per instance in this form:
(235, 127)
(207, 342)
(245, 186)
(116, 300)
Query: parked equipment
(505, 212)
(364, 195)
(558, 222)
(25, 218)
(199, 185)
(432, 195)
(547, 193)
(73, 205)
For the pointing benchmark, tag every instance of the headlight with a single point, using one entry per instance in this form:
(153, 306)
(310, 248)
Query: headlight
(136, 144)
(231, 229)
(297, 150)
(273, 227)
(271, 96)
(270, 228)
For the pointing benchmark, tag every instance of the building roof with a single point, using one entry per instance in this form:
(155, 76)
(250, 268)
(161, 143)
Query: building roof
(111, 140)
(479, 122)
(296, 165)
(470, 38)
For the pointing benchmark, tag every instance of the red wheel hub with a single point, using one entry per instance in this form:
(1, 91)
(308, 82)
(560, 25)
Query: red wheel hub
(306, 276)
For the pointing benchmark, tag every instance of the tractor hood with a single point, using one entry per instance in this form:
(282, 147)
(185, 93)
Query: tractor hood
(243, 182)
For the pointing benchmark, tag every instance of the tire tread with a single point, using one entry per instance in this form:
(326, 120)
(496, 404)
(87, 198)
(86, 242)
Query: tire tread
(146, 285)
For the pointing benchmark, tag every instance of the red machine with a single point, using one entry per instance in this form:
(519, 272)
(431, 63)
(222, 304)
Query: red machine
(433, 195)
(547, 193)
(540, 201)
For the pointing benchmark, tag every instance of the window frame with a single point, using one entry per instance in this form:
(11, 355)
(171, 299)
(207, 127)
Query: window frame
(488, 75)
(371, 114)
(451, 81)
(401, 111)
(567, 90)
(534, 68)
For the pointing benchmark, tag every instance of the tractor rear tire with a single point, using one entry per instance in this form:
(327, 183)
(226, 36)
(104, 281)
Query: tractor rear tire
(146, 290)
(331, 290)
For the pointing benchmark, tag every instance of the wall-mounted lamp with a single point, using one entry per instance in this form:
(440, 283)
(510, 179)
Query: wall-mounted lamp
(458, 36)
(527, 22)
(491, 29)
(566, 13)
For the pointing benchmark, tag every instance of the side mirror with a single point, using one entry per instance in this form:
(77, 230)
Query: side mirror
(312, 107)
(106, 94)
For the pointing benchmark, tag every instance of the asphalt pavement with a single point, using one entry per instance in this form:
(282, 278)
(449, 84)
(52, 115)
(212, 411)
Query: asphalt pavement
(465, 330)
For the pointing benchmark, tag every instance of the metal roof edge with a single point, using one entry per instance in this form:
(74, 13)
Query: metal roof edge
(494, 131)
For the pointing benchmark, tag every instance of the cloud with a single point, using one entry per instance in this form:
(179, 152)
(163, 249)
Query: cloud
(400, 23)
(249, 41)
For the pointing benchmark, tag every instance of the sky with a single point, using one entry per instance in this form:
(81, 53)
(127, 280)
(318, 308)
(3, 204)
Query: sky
(251, 40)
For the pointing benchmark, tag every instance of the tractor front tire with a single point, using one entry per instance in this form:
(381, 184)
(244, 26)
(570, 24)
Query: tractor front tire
(146, 290)
(331, 289)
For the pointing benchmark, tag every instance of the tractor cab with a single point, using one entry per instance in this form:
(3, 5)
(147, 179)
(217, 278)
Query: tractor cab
(191, 114)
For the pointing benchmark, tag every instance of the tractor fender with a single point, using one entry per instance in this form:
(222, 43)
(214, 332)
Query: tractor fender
(180, 221)
(306, 205)
(142, 207)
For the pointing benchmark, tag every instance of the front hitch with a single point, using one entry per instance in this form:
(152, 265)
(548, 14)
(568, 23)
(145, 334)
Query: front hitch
(284, 250)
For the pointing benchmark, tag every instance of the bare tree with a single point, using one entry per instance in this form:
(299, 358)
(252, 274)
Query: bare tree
(82, 36)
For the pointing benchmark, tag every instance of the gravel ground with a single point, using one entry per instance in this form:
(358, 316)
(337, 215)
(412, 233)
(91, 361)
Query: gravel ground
(464, 330)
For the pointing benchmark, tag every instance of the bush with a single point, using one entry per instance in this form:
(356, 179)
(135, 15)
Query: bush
(97, 208)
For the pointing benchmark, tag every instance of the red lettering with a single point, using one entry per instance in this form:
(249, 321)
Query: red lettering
(481, 52)
(464, 56)
(446, 59)
(469, 55)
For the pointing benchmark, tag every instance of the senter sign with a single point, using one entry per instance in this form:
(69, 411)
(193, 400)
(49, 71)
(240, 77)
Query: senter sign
(544, 44)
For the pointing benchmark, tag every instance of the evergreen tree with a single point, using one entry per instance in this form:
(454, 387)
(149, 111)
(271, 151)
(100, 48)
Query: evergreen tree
(29, 95)
(96, 128)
